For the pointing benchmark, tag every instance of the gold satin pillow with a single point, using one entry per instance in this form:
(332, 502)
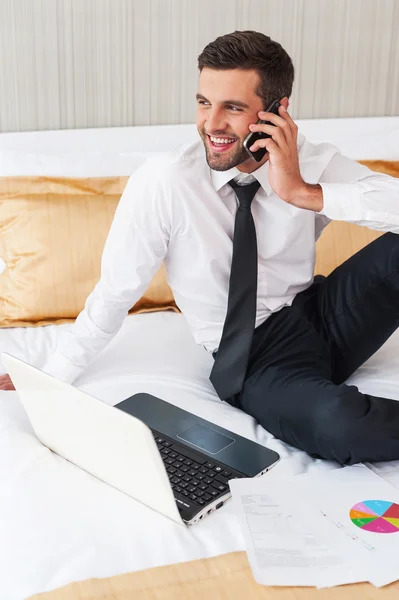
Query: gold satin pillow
(52, 234)
(389, 167)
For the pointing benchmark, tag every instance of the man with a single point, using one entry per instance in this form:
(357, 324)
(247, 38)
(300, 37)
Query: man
(283, 344)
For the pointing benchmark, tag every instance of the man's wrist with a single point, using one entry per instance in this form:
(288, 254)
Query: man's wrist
(309, 196)
(61, 368)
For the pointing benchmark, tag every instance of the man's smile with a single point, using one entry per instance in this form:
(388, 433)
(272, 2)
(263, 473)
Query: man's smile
(221, 144)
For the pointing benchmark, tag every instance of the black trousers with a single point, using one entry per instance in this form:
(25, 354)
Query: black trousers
(302, 355)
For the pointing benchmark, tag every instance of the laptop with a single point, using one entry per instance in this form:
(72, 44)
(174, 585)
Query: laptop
(158, 454)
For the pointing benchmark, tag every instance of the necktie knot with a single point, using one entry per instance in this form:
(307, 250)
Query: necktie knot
(245, 193)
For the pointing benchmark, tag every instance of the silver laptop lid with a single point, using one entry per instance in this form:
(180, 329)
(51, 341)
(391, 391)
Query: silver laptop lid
(110, 444)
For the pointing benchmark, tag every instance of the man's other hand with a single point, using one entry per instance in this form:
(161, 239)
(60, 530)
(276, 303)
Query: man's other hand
(6, 383)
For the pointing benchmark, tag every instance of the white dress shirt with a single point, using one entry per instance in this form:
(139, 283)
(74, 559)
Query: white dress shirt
(175, 208)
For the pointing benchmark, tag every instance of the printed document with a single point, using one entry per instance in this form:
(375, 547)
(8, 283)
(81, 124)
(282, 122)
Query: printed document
(320, 529)
(389, 471)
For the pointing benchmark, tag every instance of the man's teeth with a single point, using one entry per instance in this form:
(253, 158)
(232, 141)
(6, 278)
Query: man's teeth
(221, 140)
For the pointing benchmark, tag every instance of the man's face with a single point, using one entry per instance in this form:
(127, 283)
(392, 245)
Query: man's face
(226, 105)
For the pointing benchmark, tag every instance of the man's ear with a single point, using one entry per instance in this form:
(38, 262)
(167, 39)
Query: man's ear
(285, 102)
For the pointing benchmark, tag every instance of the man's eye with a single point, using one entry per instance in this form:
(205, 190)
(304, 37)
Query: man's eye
(202, 102)
(234, 108)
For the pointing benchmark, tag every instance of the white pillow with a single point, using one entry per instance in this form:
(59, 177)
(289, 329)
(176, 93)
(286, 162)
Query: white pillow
(99, 152)
(79, 164)
(115, 140)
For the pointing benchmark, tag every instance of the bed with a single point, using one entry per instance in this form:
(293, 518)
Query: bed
(60, 525)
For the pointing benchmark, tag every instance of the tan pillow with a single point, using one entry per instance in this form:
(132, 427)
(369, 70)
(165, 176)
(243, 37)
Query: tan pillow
(52, 233)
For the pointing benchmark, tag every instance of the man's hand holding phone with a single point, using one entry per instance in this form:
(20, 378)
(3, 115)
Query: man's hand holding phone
(284, 173)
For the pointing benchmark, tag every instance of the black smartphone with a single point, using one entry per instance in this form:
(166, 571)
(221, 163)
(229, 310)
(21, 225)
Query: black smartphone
(257, 135)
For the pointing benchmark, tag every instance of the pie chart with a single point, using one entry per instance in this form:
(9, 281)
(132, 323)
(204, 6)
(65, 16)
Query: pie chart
(377, 516)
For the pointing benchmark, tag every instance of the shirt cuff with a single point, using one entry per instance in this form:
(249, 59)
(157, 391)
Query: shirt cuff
(340, 202)
(61, 368)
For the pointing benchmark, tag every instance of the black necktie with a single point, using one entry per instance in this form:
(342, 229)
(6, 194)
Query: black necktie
(228, 373)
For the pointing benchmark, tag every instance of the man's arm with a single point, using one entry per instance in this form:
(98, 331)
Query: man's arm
(135, 247)
(355, 194)
(346, 190)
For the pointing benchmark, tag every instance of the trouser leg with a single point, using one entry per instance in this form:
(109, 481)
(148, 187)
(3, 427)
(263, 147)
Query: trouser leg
(301, 355)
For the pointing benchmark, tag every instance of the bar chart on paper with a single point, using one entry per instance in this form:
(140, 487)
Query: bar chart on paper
(377, 516)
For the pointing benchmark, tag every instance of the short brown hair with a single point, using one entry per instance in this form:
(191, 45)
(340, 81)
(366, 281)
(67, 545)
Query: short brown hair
(252, 50)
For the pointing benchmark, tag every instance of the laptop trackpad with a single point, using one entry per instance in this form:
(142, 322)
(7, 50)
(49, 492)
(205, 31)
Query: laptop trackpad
(205, 438)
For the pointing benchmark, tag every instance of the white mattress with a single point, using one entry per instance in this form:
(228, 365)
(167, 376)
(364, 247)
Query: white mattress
(57, 523)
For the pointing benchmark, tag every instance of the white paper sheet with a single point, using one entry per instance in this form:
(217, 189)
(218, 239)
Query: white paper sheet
(282, 547)
(315, 511)
(389, 471)
(335, 496)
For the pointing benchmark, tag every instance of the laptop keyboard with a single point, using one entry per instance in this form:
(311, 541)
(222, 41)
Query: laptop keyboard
(191, 475)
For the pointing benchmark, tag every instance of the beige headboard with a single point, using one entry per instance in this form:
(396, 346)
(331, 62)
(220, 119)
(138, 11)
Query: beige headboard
(78, 64)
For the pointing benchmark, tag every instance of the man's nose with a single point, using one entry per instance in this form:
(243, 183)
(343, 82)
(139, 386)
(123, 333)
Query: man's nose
(215, 122)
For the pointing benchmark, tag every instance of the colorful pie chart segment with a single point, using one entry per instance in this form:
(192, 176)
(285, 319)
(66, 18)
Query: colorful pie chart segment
(377, 516)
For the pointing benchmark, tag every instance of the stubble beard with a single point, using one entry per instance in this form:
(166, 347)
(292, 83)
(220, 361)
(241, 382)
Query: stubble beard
(222, 161)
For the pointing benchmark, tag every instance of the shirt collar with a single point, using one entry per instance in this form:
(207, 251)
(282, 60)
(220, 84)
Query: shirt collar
(220, 178)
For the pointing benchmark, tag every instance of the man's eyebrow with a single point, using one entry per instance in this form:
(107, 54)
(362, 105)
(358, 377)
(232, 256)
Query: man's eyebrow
(234, 102)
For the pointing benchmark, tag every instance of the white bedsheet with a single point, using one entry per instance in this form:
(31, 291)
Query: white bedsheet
(58, 524)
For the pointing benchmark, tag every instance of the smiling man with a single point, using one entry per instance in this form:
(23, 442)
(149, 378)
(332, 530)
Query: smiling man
(238, 241)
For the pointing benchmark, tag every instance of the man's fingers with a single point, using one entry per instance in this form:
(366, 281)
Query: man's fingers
(5, 383)
(267, 143)
(291, 122)
(277, 133)
(277, 136)
(283, 121)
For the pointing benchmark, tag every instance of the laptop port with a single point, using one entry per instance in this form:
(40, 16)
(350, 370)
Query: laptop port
(219, 505)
